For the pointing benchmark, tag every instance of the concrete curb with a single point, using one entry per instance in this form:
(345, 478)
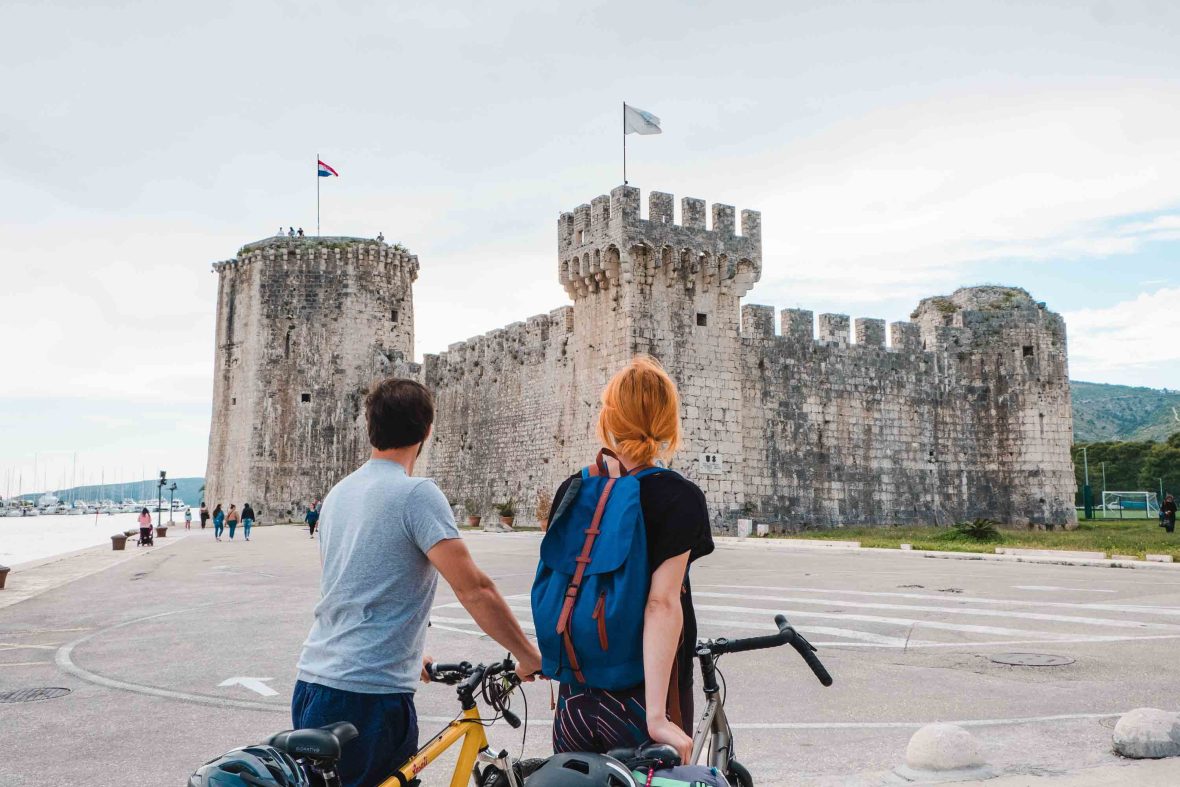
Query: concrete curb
(1047, 557)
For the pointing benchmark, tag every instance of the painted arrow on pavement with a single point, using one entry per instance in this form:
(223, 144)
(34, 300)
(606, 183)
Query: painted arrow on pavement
(253, 684)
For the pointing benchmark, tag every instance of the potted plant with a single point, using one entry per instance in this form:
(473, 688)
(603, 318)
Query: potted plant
(3, 576)
(473, 518)
(162, 531)
(507, 512)
(119, 542)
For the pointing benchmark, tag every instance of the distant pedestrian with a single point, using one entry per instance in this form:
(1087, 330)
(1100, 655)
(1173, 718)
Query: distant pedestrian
(1168, 510)
(218, 522)
(188, 519)
(232, 518)
(145, 525)
(280, 232)
(204, 514)
(290, 232)
(247, 520)
(313, 516)
(301, 232)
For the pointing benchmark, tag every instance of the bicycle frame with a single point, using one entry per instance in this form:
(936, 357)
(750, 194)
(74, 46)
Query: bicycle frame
(469, 729)
(713, 726)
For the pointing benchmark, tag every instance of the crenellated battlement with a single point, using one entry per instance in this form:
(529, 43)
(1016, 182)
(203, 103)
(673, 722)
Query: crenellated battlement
(325, 251)
(526, 342)
(607, 242)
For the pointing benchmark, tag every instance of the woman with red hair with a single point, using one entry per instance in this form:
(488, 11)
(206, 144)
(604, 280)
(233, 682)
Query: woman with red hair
(640, 425)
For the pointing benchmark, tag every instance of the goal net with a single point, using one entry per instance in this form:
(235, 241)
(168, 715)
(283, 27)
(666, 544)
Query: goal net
(1133, 505)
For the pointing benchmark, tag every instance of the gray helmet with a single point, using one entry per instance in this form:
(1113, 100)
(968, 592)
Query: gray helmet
(250, 766)
(579, 769)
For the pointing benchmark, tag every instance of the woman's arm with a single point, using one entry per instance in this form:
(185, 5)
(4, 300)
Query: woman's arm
(663, 622)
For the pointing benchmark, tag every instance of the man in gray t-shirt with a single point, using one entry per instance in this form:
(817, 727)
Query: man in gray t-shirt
(384, 538)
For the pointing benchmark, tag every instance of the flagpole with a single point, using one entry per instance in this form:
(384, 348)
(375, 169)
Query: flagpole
(317, 195)
(624, 143)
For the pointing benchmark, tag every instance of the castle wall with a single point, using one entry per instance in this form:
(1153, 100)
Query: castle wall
(977, 424)
(303, 327)
(964, 412)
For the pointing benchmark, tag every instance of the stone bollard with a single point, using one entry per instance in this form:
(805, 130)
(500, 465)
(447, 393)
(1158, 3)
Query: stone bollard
(943, 753)
(762, 529)
(119, 542)
(3, 576)
(744, 526)
(1147, 733)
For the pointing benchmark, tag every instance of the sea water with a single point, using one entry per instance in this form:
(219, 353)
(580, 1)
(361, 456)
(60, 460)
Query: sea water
(36, 537)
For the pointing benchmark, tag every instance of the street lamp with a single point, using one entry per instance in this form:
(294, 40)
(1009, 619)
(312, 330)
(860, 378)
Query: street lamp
(160, 495)
(171, 492)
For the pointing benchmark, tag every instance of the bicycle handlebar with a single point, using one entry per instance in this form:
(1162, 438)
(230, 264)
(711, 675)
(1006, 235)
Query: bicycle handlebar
(786, 636)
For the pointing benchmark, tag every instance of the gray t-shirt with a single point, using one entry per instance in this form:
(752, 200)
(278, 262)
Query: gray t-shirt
(377, 586)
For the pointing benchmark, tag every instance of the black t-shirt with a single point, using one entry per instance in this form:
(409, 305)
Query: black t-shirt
(677, 521)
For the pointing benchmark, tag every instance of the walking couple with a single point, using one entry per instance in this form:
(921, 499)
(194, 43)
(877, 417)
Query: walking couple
(385, 536)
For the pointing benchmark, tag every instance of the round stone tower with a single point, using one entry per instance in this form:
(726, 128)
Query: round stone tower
(303, 326)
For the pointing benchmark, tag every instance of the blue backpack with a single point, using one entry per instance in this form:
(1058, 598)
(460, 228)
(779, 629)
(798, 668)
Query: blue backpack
(592, 581)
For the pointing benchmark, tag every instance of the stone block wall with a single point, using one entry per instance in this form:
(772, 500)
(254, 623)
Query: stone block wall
(964, 413)
(303, 326)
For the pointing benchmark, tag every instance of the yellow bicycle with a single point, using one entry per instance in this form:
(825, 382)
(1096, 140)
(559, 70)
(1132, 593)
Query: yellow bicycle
(317, 750)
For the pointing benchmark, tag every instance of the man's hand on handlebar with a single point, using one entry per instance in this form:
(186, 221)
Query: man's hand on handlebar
(528, 665)
(663, 730)
(426, 662)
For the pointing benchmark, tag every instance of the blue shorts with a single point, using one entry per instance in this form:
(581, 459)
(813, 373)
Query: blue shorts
(387, 723)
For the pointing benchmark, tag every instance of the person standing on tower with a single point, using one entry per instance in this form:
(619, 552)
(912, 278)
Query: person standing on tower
(300, 232)
(290, 232)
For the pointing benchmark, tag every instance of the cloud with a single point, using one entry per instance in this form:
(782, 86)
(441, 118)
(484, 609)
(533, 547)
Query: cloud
(1135, 342)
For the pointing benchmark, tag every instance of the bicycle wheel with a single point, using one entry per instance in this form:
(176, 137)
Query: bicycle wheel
(738, 775)
(494, 777)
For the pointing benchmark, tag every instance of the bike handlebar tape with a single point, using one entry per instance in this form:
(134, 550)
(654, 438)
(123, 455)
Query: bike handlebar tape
(808, 654)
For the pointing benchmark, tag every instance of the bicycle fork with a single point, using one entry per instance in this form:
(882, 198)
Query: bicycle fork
(501, 761)
(713, 726)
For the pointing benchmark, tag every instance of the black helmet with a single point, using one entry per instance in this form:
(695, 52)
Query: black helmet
(250, 766)
(582, 770)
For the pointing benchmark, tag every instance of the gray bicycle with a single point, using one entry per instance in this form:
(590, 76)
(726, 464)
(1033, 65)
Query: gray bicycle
(713, 736)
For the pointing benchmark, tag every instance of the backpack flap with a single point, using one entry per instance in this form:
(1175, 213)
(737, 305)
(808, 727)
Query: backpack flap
(566, 535)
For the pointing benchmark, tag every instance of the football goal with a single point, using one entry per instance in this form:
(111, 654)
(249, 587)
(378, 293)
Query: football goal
(1130, 505)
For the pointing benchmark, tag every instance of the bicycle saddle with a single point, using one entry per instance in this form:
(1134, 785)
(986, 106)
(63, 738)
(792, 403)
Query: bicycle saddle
(650, 755)
(319, 743)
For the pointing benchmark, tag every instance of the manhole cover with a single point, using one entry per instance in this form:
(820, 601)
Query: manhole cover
(32, 695)
(1031, 659)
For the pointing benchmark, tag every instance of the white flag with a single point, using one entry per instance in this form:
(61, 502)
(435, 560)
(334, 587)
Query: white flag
(636, 121)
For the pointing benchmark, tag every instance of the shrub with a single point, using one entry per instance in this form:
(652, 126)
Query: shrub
(507, 508)
(978, 530)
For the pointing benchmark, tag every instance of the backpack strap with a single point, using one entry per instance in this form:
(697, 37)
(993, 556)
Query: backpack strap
(575, 585)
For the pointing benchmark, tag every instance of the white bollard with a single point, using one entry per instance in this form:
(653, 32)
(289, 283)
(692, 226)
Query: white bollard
(1147, 733)
(942, 753)
(744, 526)
(762, 530)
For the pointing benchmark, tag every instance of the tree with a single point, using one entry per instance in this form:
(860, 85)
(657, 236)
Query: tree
(1162, 461)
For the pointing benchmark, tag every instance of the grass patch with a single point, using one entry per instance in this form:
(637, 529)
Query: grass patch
(1112, 536)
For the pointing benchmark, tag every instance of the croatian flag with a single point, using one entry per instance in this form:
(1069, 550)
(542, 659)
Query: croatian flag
(326, 171)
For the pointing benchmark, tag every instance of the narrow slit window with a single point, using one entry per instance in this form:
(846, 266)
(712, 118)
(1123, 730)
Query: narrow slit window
(234, 400)
(1028, 351)
(305, 397)
(702, 319)
(393, 315)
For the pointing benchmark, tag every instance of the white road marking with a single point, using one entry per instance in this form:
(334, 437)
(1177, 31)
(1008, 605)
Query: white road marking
(255, 685)
(962, 599)
(1054, 587)
(23, 663)
(1113, 622)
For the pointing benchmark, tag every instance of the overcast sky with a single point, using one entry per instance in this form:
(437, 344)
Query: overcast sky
(896, 150)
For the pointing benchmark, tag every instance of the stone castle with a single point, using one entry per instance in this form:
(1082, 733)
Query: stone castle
(965, 414)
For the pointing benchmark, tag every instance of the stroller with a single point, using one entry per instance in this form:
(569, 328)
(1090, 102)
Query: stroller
(146, 537)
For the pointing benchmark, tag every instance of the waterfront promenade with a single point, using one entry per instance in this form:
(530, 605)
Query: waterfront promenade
(175, 654)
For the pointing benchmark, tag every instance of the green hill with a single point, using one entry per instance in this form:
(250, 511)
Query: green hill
(1122, 412)
(187, 489)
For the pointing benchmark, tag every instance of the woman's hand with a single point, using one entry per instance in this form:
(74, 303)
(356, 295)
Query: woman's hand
(663, 730)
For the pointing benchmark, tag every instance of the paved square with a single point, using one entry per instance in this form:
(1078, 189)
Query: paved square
(175, 656)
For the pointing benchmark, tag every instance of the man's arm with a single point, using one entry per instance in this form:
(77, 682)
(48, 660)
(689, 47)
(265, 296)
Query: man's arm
(479, 596)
